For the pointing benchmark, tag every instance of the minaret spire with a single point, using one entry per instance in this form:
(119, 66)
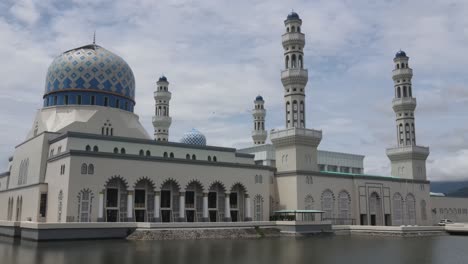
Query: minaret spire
(408, 159)
(259, 134)
(161, 120)
(94, 38)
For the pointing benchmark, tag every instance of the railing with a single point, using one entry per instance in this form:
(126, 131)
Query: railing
(417, 149)
(341, 221)
(162, 118)
(293, 37)
(295, 72)
(294, 131)
(406, 71)
(404, 100)
(162, 94)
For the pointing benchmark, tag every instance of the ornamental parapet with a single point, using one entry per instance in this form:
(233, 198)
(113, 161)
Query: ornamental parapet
(294, 76)
(296, 136)
(408, 152)
(162, 95)
(293, 39)
(162, 121)
(259, 112)
(404, 104)
(399, 73)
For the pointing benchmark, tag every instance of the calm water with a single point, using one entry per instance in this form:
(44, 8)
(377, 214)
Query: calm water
(332, 249)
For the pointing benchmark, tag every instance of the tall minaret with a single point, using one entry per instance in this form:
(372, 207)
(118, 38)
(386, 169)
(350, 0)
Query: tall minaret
(294, 77)
(295, 146)
(408, 160)
(161, 120)
(259, 134)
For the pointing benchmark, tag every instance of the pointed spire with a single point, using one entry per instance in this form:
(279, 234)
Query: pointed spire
(94, 38)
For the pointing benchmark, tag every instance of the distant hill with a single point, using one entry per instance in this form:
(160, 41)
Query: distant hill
(451, 188)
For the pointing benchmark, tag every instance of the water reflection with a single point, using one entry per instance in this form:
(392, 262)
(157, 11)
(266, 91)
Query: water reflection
(289, 250)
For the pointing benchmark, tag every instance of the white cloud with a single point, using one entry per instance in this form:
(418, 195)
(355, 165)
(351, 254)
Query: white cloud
(25, 11)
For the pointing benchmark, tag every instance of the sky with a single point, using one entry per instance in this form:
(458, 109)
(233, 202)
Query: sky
(218, 55)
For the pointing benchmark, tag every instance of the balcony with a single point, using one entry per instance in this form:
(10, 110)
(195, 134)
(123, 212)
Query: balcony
(405, 152)
(162, 95)
(295, 76)
(293, 38)
(405, 71)
(404, 104)
(162, 120)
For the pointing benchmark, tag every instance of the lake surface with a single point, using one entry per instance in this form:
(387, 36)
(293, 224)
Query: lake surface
(289, 250)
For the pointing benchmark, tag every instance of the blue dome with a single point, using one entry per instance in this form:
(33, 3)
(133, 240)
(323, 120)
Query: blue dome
(162, 79)
(90, 75)
(400, 54)
(292, 16)
(259, 98)
(194, 137)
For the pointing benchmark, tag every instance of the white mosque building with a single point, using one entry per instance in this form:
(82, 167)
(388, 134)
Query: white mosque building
(87, 157)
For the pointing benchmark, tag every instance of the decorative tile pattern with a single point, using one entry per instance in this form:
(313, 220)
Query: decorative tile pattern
(91, 67)
(194, 137)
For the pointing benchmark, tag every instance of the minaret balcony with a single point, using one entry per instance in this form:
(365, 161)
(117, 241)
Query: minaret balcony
(405, 72)
(404, 104)
(295, 135)
(259, 112)
(162, 95)
(293, 39)
(162, 121)
(407, 152)
(259, 134)
(294, 76)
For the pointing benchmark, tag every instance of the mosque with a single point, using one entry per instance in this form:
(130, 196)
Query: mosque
(87, 157)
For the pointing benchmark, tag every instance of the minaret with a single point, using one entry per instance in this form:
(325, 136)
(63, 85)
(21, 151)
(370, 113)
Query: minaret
(295, 146)
(408, 160)
(294, 77)
(161, 120)
(259, 134)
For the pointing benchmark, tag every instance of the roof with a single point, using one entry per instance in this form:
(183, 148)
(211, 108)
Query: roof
(357, 174)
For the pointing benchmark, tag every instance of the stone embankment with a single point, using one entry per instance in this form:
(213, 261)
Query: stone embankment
(194, 234)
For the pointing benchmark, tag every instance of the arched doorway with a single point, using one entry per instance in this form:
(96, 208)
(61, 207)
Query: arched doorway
(309, 205)
(328, 204)
(116, 200)
(144, 200)
(194, 201)
(216, 196)
(375, 209)
(411, 209)
(344, 208)
(237, 202)
(397, 209)
(170, 193)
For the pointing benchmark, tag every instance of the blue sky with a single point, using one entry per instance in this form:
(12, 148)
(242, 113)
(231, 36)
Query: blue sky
(218, 55)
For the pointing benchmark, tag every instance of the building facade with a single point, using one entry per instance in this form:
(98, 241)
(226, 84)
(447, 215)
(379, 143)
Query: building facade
(87, 158)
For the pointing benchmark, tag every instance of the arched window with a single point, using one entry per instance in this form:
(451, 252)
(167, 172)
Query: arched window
(122, 151)
(293, 29)
(214, 159)
(293, 61)
(287, 29)
(397, 209)
(298, 29)
(116, 150)
(300, 62)
(187, 156)
(258, 208)
(165, 155)
(401, 134)
(399, 92)
(88, 148)
(141, 152)
(286, 62)
(209, 158)
(91, 169)
(171, 155)
(84, 168)
(413, 133)
(398, 66)
(328, 202)
(405, 94)
(85, 199)
(407, 132)
(148, 153)
(309, 205)
(423, 210)
(411, 209)
(95, 149)
(194, 157)
(344, 204)
(409, 91)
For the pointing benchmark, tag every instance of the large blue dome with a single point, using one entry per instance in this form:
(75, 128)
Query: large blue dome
(194, 137)
(90, 75)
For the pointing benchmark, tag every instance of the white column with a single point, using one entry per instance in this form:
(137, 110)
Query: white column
(101, 206)
(182, 205)
(227, 207)
(247, 208)
(205, 205)
(157, 205)
(130, 205)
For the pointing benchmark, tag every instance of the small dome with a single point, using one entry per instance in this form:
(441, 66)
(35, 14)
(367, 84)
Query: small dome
(194, 137)
(162, 79)
(259, 98)
(292, 16)
(400, 54)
